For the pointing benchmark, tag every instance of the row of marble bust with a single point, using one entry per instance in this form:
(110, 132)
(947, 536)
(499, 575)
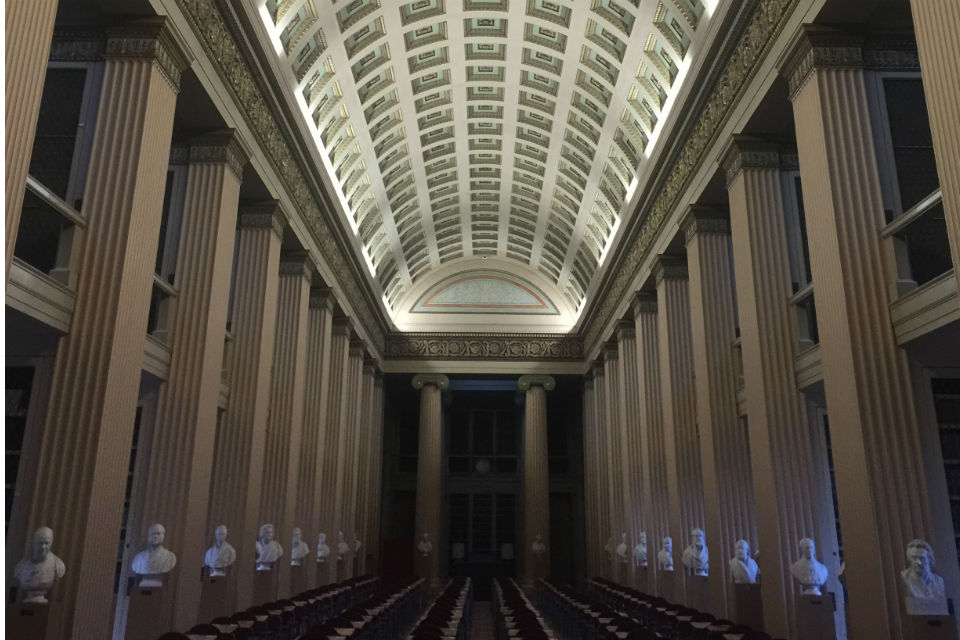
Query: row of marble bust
(918, 578)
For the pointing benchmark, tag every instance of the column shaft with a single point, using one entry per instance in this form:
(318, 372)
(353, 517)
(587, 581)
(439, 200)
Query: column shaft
(376, 475)
(536, 476)
(88, 431)
(284, 440)
(724, 454)
(329, 490)
(430, 476)
(348, 446)
(240, 442)
(612, 456)
(366, 438)
(631, 451)
(589, 478)
(881, 485)
(181, 453)
(29, 32)
(604, 535)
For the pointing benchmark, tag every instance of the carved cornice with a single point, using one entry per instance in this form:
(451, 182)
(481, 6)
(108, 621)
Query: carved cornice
(765, 24)
(151, 39)
(704, 219)
(262, 215)
(747, 152)
(547, 382)
(220, 147)
(297, 264)
(474, 346)
(219, 39)
(439, 380)
(670, 268)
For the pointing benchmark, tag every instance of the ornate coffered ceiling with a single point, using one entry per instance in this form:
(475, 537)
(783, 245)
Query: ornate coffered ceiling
(461, 133)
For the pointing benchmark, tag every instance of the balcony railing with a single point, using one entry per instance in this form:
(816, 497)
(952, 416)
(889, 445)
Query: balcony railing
(919, 244)
(48, 233)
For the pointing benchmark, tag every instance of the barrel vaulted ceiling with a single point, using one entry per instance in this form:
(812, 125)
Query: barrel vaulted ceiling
(475, 136)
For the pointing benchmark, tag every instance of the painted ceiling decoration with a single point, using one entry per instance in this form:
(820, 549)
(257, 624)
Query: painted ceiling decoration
(459, 130)
(478, 291)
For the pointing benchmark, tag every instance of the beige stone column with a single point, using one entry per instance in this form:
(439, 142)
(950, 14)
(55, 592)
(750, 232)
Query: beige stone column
(631, 451)
(239, 451)
(316, 397)
(681, 442)
(82, 469)
(365, 436)
(536, 475)
(347, 461)
(881, 486)
(278, 498)
(936, 24)
(786, 461)
(724, 451)
(181, 453)
(604, 535)
(376, 475)
(612, 455)
(653, 468)
(329, 492)
(430, 476)
(589, 479)
(29, 32)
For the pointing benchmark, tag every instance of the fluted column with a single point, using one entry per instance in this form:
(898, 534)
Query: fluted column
(29, 32)
(536, 476)
(376, 475)
(631, 452)
(589, 477)
(787, 463)
(181, 453)
(330, 488)
(430, 475)
(655, 496)
(936, 24)
(347, 462)
(239, 450)
(316, 397)
(682, 447)
(604, 535)
(82, 470)
(724, 454)
(881, 486)
(278, 498)
(614, 446)
(365, 436)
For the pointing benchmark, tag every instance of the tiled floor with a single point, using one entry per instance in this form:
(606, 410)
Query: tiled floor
(481, 627)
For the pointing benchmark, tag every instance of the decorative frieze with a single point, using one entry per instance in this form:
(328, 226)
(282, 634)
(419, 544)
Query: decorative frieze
(467, 346)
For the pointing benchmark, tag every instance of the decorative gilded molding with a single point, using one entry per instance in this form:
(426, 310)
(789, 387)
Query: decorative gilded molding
(74, 45)
(765, 24)
(439, 380)
(670, 268)
(470, 346)
(704, 219)
(817, 47)
(220, 147)
(262, 215)
(747, 152)
(547, 382)
(297, 264)
(151, 39)
(219, 40)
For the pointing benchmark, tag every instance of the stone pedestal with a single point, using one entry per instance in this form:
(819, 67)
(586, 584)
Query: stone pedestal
(698, 593)
(815, 617)
(642, 577)
(929, 628)
(264, 587)
(147, 607)
(27, 620)
(216, 596)
(298, 579)
(748, 605)
(666, 581)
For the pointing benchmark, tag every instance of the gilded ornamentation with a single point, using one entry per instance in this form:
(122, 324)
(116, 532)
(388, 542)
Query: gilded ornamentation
(459, 346)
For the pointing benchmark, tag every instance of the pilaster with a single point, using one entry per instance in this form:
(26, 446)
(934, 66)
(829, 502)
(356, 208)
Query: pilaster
(347, 462)
(430, 476)
(612, 461)
(374, 535)
(240, 442)
(536, 477)
(90, 421)
(365, 435)
(604, 535)
(631, 452)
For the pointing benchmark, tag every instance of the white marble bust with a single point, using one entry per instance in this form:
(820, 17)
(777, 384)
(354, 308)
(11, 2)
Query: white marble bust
(696, 557)
(808, 571)
(323, 551)
(221, 553)
(356, 545)
(155, 560)
(918, 578)
(342, 547)
(640, 551)
(665, 555)
(425, 547)
(268, 549)
(623, 549)
(743, 568)
(608, 547)
(37, 573)
(539, 548)
(298, 548)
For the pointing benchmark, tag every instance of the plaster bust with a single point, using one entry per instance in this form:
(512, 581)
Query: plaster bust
(622, 549)
(37, 573)
(808, 571)
(640, 551)
(342, 547)
(323, 551)
(155, 560)
(665, 555)
(743, 568)
(918, 578)
(221, 554)
(539, 548)
(356, 545)
(268, 549)
(696, 557)
(425, 546)
(298, 548)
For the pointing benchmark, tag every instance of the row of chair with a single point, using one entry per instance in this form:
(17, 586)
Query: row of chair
(386, 615)
(448, 617)
(515, 616)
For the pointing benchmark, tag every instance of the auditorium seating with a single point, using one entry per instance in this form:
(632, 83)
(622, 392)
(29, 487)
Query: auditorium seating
(515, 617)
(448, 617)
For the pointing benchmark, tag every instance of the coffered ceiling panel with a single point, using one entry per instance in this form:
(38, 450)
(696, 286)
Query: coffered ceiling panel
(460, 130)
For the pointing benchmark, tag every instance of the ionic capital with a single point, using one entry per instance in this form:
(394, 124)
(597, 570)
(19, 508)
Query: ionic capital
(262, 215)
(625, 329)
(667, 267)
(220, 147)
(438, 380)
(547, 382)
(152, 39)
(322, 298)
(297, 264)
(817, 47)
(644, 302)
(747, 152)
(704, 219)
